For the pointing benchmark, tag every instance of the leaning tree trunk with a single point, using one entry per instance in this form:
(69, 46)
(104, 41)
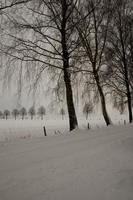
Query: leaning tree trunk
(103, 104)
(102, 99)
(73, 123)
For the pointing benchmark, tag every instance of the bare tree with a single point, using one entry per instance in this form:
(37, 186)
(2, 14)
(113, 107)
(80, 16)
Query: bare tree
(6, 114)
(1, 114)
(119, 102)
(15, 113)
(93, 32)
(41, 111)
(23, 112)
(32, 112)
(62, 112)
(88, 108)
(118, 52)
(46, 39)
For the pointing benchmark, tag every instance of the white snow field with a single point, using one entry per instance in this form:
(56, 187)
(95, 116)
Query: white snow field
(92, 164)
(21, 129)
(13, 129)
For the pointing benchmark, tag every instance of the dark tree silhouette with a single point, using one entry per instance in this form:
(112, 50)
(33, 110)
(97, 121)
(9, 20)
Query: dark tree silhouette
(119, 103)
(15, 113)
(1, 114)
(62, 112)
(23, 112)
(41, 111)
(32, 112)
(88, 108)
(6, 114)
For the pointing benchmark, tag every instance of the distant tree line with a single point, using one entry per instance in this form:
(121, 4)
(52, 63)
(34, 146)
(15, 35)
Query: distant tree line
(23, 113)
(15, 113)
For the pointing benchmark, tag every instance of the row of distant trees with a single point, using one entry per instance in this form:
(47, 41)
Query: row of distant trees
(23, 113)
(31, 112)
(87, 109)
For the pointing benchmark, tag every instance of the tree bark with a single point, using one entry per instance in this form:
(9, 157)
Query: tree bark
(103, 104)
(102, 99)
(73, 123)
(129, 104)
(129, 100)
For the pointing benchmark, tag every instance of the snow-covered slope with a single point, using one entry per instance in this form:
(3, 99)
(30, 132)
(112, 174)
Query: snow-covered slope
(83, 165)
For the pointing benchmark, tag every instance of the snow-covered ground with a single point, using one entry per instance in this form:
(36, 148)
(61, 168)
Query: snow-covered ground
(11, 129)
(94, 164)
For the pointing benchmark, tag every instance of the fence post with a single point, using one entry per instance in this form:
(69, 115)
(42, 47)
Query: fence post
(44, 129)
(88, 125)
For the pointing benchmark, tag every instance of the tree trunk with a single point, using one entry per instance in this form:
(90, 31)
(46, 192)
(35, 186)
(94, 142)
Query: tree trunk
(102, 99)
(130, 107)
(103, 104)
(129, 101)
(73, 123)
